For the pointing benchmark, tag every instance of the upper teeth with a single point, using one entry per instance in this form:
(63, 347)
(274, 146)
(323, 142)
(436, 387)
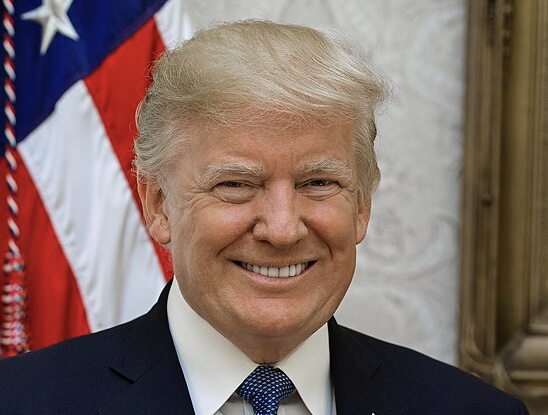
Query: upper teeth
(284, 272)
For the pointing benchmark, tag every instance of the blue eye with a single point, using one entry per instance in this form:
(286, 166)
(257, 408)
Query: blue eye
(320, 182)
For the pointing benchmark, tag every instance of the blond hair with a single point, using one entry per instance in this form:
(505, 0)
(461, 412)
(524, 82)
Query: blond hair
(246, 73)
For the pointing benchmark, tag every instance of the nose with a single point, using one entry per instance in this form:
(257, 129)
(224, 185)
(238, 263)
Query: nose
(279, 221)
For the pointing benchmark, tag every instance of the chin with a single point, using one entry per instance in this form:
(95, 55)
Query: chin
(282, 328)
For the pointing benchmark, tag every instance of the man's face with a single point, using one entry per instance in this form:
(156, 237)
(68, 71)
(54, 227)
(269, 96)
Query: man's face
(262, 227)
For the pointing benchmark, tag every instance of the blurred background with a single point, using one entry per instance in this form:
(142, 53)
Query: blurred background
(85, 261)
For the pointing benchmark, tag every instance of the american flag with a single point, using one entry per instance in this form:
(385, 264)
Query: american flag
(76, 255)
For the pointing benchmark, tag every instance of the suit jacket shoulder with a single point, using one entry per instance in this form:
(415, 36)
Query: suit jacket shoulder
(373, 376)
(129, 369)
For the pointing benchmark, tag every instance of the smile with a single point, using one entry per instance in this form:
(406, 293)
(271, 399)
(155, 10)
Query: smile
(276, 272)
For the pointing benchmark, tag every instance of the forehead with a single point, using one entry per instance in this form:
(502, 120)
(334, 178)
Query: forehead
(262, 152)
(271, 139)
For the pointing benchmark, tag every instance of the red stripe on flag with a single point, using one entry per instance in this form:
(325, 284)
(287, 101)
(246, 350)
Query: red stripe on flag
(116, 87)
(55, 310)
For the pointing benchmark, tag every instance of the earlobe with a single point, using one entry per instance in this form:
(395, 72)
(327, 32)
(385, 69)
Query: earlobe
(153, 202)
(364, 213)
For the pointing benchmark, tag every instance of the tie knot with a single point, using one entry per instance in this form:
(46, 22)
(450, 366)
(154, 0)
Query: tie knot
(265, 388)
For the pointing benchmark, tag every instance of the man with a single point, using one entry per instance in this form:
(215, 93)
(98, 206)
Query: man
(255, 167)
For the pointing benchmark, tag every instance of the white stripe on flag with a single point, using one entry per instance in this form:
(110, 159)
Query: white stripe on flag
(93, 212)
(173, 23)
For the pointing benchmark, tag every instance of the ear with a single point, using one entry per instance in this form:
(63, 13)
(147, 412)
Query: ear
(154, 210)
(364, 213)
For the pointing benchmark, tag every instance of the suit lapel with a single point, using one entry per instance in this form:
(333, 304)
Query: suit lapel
(354, 370)
(149, 363)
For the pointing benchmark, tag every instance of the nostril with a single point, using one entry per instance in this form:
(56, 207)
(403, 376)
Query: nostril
(280, 233)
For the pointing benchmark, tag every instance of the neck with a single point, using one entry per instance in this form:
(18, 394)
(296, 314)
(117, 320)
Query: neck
(267, 353)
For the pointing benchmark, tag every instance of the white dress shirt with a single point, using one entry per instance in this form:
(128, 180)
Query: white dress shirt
(214, 367)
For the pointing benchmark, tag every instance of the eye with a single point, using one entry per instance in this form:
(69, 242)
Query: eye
(320, 182)
(231, 184)
(232, 191)
(319, 188)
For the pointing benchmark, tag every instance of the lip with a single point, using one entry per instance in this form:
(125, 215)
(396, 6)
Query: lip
(287, 271)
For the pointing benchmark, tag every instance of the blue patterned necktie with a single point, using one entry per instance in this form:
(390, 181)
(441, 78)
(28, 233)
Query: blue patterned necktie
(265, 388)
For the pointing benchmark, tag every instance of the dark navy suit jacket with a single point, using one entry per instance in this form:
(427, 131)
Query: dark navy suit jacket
(133, 369)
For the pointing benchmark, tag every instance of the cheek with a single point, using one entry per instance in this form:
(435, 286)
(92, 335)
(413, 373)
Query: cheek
(336, 224)
(204, 230)
(224, 223)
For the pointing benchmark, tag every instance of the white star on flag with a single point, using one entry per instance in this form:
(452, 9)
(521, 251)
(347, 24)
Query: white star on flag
(52, 15)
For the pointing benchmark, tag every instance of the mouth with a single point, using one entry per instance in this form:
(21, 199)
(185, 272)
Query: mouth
(277, 272)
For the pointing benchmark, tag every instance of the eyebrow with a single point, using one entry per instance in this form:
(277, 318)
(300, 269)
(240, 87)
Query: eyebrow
(212, 173)
(331, 167)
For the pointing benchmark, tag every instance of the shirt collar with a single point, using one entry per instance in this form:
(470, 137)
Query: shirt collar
(214, 367)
